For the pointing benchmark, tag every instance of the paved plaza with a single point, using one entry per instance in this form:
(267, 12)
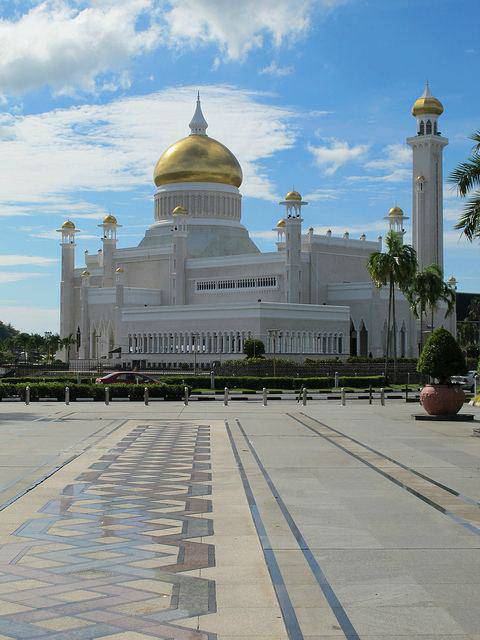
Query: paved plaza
(130, 522)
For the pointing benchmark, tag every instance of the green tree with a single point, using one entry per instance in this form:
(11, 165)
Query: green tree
(441, 357)
(466, 177)
(467, 335)
(253, 348)
(396, 267)
(66, 343)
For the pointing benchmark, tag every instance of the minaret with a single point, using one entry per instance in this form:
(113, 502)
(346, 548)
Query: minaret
(395, 220)
(68, 231)
(427, 206)
(293, 246)
(179, 255)
(109, 240)
(84, 351)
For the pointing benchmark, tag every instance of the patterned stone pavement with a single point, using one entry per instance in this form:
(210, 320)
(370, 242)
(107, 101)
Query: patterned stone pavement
(107, 559)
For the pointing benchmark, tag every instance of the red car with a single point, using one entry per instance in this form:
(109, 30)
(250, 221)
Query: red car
(125, 377)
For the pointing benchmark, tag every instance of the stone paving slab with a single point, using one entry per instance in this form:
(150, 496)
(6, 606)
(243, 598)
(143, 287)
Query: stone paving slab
(206, 522)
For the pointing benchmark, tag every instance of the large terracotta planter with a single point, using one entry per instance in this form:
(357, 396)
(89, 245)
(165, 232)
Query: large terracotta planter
(442, 399)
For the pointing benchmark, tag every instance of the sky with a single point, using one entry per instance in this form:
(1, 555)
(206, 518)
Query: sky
(310, 94)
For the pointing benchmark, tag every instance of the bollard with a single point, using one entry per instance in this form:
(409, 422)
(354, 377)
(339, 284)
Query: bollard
(264, 397)
(407, 389)
(475, 381)
(382, 397)
(342, 396)
(370, 394)
(304, 396)
(27, 395)
(212, 379)
(225, 396)
(408, 378)
(145, 396)
(185, 395)
(107, 396)
(336, 379)
(67, 395)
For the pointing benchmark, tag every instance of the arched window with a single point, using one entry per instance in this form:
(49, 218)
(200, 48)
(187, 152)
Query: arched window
(340, 343)
(421, 131)
(353, 339)
(363, 340)
(428, 129)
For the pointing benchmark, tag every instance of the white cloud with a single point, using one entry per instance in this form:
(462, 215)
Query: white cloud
(114, 146)
(59, 44)
(394, 160)
(322, 194)
(7, 277)
(31, 319)
(274, 70)
(89, 44)
(336, 153)
(12, 260)
(238, 27)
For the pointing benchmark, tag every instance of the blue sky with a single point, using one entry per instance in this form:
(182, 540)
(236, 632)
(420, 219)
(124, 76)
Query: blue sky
(315, 94)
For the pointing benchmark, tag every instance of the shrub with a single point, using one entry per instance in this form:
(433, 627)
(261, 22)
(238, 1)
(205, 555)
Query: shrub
(253, 348)
(95, 391)
(441, 357)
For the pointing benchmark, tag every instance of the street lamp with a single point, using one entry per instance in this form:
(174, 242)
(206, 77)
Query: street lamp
(194, 337)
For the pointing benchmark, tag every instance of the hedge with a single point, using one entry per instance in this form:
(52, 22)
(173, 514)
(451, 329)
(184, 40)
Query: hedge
(279, 382)
(95, 391)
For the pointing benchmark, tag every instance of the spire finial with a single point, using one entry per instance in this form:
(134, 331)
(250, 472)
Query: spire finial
(426, 91)
(198, 124)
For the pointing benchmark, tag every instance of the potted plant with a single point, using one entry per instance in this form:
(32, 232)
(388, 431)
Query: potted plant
(441, 358)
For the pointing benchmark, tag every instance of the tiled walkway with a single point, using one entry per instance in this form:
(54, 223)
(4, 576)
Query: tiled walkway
(109, 557)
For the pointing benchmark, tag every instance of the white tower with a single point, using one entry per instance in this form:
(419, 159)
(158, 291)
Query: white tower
(109, 240)
(427, 206)
(293, 246)
(68, 231)
(179, 254)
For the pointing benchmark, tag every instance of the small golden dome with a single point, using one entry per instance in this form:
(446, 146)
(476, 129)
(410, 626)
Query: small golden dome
(110, 219)
(395, 212)
(420, 178)
(85, 274)
(427, 104)
(179, 211)
(68, 224)
(281, 223)
(198, 158)
(119, 270)
(293, 195)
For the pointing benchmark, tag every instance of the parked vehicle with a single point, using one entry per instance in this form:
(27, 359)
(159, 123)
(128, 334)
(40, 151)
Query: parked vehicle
(126, 377)
(467, 381)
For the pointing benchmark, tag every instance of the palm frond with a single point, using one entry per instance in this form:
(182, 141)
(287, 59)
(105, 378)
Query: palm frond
(469, 221)
(476, 138)
(467, 175)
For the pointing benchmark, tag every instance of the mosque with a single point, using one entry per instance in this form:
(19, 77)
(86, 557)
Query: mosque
(197, 286)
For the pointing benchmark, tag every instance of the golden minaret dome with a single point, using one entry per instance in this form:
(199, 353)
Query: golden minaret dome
(179, 211)
(293, 195)
(395, 211)
(198, 158)
(281, 223)
(68, 224)
(427, 104)
(110, 219)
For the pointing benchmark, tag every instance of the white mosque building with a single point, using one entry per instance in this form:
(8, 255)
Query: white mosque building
(197, 285)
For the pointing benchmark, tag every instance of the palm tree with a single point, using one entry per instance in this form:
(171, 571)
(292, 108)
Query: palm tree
(427, 290)
(466, 177)
(397, 266)
(67, 343)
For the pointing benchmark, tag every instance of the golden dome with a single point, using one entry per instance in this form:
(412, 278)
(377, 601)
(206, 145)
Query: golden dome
(110, 219)
(427, 104)
(119, 270)
(395, 211)
(420, 178)
(68, 224)
(281, 223)
(293, 195)
(85, 273)
(179, 211)
(197, 158)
